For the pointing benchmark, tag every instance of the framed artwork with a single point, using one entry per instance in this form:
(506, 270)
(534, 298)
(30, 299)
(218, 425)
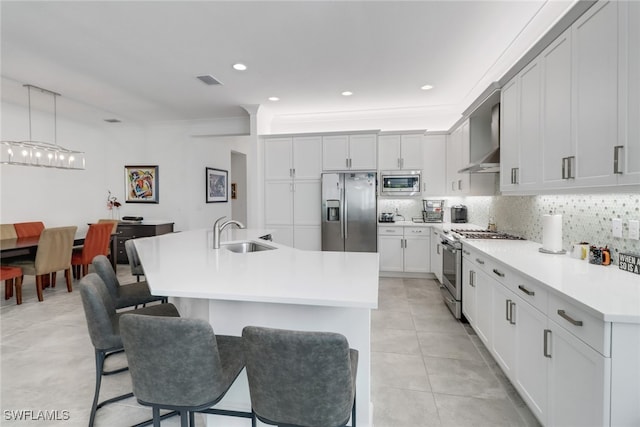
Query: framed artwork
(216, 185)
(141, 184)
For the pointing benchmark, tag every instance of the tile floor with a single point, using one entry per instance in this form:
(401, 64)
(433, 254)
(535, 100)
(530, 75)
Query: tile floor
(427, 368)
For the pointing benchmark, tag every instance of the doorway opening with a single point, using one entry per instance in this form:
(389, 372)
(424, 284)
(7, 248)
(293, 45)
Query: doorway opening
(238, 187)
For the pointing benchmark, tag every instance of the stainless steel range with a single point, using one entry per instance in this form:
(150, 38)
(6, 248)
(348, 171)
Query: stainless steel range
(452, 262)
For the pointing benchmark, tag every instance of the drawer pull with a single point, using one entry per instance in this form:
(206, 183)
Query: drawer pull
(526, 291)
(507, 306)
(546, 335)
(479, 261)
(569, 319)
(498, 272)
(466, 252)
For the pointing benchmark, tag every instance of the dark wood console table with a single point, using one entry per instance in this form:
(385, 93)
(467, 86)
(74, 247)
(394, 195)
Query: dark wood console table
(134, 230)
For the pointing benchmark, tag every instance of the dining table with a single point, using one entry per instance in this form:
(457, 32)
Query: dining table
(11, 248)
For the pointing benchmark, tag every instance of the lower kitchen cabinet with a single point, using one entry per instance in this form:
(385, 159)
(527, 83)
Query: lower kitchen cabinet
(436, 255)
(504, 329)
(404, 249)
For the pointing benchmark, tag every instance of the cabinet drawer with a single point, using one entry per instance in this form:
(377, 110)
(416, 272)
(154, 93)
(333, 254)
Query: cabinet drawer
(586, 327)
(416, 231)
(390, 230)
(531, 292)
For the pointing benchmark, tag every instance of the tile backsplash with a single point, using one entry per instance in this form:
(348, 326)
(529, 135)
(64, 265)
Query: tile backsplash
(585, 217)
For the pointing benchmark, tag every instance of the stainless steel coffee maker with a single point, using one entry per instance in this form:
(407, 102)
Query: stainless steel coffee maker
(432, 210)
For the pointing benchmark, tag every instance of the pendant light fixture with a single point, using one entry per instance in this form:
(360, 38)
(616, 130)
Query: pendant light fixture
(38, 153)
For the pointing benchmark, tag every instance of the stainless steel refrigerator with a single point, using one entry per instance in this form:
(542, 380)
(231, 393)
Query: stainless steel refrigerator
(349, 219)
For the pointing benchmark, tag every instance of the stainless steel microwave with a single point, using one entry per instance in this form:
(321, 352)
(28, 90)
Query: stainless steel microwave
(400, 183)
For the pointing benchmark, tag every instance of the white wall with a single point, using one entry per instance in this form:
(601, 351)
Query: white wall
(62, 197)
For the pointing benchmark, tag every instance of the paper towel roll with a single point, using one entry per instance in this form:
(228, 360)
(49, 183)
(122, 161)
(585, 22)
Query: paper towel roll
(552, 233)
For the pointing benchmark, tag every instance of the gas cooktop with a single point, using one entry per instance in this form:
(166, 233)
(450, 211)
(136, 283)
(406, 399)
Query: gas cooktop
(484, 234)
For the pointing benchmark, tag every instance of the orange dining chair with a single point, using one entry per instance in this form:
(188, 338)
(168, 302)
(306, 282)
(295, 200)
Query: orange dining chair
(8, 274)
(28, 229)
(115, 223)
(96, 243)
(53, 255)
(7, 231)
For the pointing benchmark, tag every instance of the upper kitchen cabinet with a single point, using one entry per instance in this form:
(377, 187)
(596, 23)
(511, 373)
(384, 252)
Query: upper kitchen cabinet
(298, 157)
(456, 140)
(628, 157)
(400, 152)
(520, 133)
(434, 168)
(349, 152)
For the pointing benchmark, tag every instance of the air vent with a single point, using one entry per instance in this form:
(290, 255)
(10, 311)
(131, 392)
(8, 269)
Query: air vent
(209, 80)
(113, 121)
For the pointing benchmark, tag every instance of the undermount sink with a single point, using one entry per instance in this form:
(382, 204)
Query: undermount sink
(246, 247)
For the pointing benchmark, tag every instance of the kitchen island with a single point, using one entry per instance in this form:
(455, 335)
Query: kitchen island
(279, 288)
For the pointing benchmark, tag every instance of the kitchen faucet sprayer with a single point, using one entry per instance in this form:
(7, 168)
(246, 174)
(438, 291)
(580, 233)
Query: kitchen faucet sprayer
(218, 227)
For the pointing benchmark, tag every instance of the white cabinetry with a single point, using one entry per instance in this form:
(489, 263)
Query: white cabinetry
(349, 152)
(292, 190)
(556, 354)
(436, 255)
(404, 249)
(457, 184)
(434, 176)
(400, 152)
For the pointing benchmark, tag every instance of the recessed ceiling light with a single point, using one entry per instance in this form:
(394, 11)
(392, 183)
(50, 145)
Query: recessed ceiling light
(426, 87)
(274, 98)
(239, 67)
(347, 93)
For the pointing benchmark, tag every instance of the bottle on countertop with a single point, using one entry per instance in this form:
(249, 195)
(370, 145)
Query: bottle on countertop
(492, 224)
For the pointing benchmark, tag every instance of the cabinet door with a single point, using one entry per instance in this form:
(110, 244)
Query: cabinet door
(529, 128)
(464, 179)
(531, 362)
(391, 252)
(389, 152)
(579, 382)
(454, 155)
(277, 159)
(306, 202)
(307, 238)
(595, 94)
(434, 166)
(417, 258)
(630, 93)
(363, 152)
(556, 110)
(307, 157)
(411, 152)
(278, 203)
(509, 142)
(469, 275)
(504, 331)
(436, 256)
(335, 152)
(282, 234)
(484, 307)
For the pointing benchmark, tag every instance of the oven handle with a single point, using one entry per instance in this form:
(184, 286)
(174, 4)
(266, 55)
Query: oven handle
(448, 247)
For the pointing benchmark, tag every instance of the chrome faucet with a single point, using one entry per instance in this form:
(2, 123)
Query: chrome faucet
(218, 227)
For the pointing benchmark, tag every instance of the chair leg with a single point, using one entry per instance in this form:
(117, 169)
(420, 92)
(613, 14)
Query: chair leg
(100, 356)
(39, 280)
(156, 416)
(18, 284)
(67, 275)
(53, 279)
(184, 418)
(8, 288)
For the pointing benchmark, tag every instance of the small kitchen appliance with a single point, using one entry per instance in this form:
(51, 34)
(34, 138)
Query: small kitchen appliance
(432, 210)
(459, 213)
(386, 217)
(400, 183)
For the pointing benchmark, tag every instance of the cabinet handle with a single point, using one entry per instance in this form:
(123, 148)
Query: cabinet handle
(399, 162)
(507, 306)
(545, 337)
(526, 291)
(294, 172)
(453, 186)
(498, 272)
(459, 184)
(569, 319)
(466, 252)
(514, 175)
(564, 167)
(479, 261)
(438, 249)
(571, 160)
(616, 159)
(511, 319)
(472, 278)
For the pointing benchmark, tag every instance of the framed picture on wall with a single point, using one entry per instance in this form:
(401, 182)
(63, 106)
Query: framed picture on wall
(217, 183)
(141, 184)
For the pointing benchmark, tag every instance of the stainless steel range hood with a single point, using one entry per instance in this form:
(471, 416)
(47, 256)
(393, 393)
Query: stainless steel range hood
(489, 162)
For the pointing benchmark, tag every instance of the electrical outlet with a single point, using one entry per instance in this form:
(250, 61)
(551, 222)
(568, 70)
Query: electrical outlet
(634, 229)
(616, 227)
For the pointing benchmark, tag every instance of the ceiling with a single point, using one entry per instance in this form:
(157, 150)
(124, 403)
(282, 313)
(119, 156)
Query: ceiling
(138, 60)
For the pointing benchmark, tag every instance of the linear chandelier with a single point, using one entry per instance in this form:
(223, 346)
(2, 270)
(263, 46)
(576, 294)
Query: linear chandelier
(38, 153)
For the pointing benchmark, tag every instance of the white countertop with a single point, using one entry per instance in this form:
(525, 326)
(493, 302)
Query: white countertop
(607, 292)
(186, 265)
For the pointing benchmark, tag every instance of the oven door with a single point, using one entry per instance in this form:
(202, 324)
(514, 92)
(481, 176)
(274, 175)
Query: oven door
(451, 269)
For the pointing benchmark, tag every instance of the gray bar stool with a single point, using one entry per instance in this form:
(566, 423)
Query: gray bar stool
(130, 295)
(300, 379)
(180, 364)
(102, 322)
